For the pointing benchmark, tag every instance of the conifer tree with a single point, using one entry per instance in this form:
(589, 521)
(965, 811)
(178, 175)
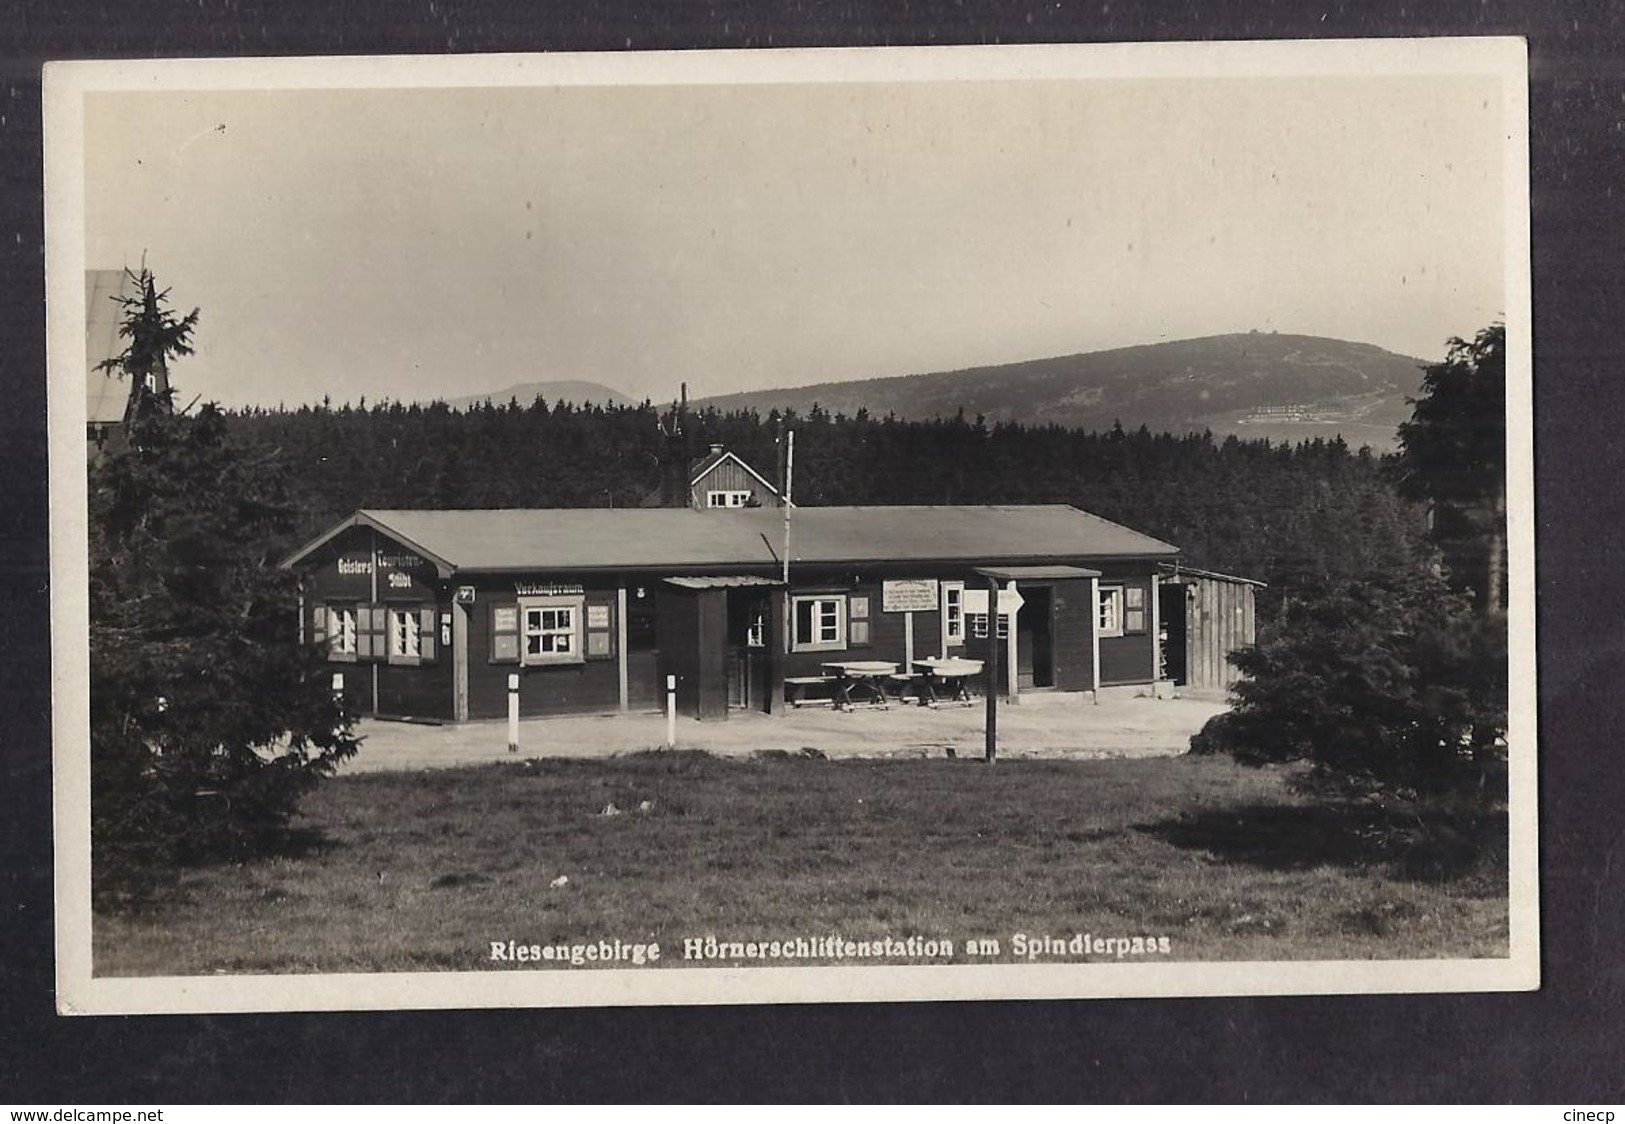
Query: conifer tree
(208, 719)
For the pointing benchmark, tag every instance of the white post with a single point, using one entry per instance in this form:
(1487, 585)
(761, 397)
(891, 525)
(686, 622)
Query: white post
(338, 692)
(1156, 638)
(1012, 677)
(908, 643)
(513, 713)
(620, 648)
(1094, 637)
(671, 712)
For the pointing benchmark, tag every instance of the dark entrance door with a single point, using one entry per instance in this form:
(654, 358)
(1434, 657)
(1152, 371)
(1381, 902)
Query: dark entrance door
(749, 632)
(645, 687)
(1175, 631)
(691, 628)
(1035, 639)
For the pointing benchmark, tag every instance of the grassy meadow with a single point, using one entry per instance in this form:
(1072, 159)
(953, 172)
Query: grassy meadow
(420, 871)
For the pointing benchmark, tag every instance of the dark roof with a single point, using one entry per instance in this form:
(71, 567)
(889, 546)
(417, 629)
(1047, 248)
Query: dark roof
(986, 534)
(1178, 569)
(681, 539)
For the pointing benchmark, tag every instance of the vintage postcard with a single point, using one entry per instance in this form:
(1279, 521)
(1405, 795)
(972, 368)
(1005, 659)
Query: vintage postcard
(792, 526)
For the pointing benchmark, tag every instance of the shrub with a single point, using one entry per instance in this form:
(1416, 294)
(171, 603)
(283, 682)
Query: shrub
(1392, 684)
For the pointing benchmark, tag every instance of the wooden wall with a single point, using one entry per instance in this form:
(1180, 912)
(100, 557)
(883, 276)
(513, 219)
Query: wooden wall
(592, 687)
(1127, 659)
(1072, 618)
(694, 648)
(1218, 620)
(341, 573)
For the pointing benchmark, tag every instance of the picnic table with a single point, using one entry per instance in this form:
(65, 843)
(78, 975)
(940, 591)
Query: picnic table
(865, 676)
(948, 675)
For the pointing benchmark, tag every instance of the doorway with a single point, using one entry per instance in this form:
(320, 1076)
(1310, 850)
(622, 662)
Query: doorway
(749, 632)
(1035, 639)
(1171, 607)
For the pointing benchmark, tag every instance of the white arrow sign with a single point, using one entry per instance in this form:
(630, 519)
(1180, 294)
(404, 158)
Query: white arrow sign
(1010, 601)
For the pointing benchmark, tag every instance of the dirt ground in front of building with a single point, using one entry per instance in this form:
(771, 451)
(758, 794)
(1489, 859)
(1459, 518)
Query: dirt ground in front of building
(1126, 722)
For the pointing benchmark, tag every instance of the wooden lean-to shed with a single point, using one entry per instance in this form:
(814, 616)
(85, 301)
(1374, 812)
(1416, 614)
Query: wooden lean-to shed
(1205, 616)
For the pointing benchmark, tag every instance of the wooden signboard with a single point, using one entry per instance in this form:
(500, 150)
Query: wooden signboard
(909, 596)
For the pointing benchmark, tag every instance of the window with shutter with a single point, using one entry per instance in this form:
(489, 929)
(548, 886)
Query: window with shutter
(818, 624)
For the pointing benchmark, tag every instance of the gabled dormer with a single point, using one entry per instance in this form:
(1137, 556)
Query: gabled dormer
(720, 481)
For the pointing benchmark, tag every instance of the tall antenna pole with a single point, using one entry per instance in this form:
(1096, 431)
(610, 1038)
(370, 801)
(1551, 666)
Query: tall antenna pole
(789, 480)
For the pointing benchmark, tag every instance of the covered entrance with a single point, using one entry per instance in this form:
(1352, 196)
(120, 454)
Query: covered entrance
(1053, 643)
(714, 635)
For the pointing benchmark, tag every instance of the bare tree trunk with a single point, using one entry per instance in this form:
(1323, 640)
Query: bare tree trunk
(1495, 563)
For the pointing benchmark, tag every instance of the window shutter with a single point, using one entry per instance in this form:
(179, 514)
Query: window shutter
(318, 623)
(599, 630)
(371, 632)
(505, 633)
(858, 625)
(429, 628)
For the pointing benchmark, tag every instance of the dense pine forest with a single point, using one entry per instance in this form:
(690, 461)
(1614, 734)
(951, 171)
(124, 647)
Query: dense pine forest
(1293, 516)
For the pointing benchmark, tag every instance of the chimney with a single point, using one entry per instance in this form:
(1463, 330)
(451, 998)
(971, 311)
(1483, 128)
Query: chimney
(715, 449)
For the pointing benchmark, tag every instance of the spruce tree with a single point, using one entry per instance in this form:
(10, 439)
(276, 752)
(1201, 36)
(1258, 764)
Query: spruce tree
(208, 719)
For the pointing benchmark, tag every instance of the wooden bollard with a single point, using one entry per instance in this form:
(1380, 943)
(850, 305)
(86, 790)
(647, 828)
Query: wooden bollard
(513, 713)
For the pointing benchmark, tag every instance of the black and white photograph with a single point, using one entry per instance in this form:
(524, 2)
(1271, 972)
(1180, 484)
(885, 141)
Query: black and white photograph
(792, 526)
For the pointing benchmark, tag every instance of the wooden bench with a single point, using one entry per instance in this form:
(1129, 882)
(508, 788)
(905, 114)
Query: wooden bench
(902, 683)
(795, 689)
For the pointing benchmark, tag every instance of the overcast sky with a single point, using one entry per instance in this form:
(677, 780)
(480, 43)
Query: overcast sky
(420, 243)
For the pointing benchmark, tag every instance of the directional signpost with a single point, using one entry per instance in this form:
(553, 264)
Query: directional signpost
(1000, 602)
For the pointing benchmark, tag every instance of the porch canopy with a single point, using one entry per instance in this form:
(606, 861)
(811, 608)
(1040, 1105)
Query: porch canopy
(723, 581)
(1035, 573)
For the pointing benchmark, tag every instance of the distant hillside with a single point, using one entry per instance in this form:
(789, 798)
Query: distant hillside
(1252, 384)
(574, 391)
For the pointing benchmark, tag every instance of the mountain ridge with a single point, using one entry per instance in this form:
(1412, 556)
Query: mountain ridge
(1283, 386)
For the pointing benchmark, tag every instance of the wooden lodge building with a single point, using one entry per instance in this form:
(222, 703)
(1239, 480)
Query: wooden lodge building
(426, 614)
